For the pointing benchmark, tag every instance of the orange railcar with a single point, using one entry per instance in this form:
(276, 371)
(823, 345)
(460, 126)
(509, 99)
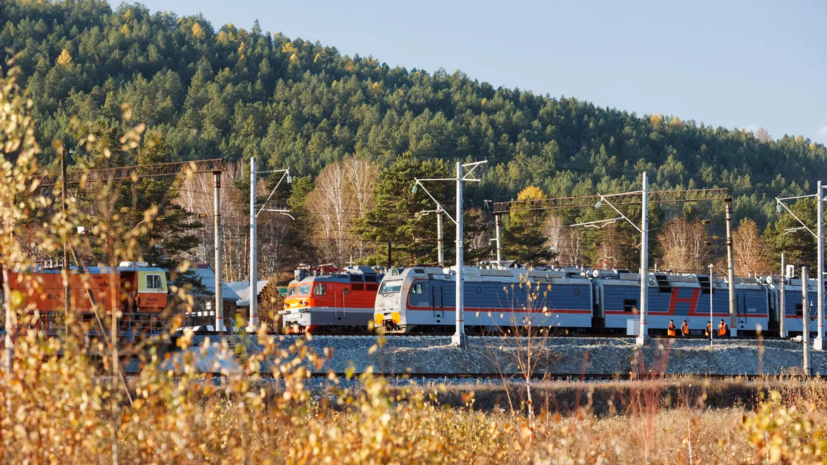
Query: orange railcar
(337, 300)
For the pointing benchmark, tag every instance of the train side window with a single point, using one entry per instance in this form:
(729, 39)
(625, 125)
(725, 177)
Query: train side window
(370, 278)
(319, 289)
(629, 305)
(416, 288)
(153, 282)
(372, 287)
(799, 310)
(358, 287)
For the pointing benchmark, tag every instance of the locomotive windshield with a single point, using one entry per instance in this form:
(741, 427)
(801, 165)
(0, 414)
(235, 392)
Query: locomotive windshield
(391, 287)
(304, 289)
(291, 291)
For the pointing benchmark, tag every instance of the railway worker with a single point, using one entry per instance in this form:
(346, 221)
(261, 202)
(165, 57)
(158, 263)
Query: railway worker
(672, 330)
(708, 329)
(723, 330)
(685, 328)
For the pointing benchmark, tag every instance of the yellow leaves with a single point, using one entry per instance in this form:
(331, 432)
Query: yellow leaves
(289, 48)
(656, 120)
(349, 66)
(676, 122)
(294, 59)
(64, 59)
(125, 29)
(197, 31)
(531, 193)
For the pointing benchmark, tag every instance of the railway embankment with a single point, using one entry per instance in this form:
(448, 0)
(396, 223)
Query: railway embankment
(557, 356)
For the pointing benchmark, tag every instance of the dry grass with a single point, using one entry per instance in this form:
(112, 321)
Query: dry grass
(55, 408)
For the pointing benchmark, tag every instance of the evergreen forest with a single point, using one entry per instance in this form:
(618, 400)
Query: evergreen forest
(210, 91)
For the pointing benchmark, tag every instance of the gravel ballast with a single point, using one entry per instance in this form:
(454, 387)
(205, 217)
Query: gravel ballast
(555, 356)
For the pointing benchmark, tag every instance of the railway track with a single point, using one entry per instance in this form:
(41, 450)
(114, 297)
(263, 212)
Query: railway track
(564, 336)
(570, 376)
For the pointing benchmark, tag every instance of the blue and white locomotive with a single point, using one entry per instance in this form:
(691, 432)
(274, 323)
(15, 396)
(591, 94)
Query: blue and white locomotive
(601, 301)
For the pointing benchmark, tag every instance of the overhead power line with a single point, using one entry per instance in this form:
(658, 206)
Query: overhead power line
(631, 198)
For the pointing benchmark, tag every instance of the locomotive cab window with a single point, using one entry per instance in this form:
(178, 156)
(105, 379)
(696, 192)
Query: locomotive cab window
(629, 305)
(154, 282)
(416, 288)
(319, 289)
(799, 310)
(391, 287)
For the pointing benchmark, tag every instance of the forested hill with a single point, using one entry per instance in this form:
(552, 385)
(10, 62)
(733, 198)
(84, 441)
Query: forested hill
(235, 92)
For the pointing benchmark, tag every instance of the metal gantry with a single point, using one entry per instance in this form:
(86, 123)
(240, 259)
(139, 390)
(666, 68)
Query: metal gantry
(141, 171)
(216, 166)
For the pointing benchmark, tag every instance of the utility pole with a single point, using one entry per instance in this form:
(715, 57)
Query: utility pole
(711, 319)
(644, 263)
(733, 329)
(459, 338)
(440, 246)
(252, 326)
(219, 299)
(819, 237)
(499, 241)
(643, 337)
(64, 191)
(253, 323)
(806, 314)
(818, 344)
(782, 298)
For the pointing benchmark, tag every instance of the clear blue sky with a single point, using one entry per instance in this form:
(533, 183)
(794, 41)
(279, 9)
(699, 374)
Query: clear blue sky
(736, 64)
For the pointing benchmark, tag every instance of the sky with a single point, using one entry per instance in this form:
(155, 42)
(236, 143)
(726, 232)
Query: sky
(737, 64)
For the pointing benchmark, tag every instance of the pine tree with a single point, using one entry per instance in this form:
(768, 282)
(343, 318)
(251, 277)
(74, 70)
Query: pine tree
(393, 216)
(523, 236)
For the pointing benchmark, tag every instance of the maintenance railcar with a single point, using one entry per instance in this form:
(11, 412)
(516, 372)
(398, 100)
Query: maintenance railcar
(141, 294)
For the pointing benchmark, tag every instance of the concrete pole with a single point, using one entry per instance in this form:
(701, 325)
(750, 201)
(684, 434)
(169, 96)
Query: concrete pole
(644, 263)
(733, 328)
(253, 324)
(66, 278)
(806, 317)
(459, 338)
(498, 232)
(711, 319)
(219, 300)
(818, 343)
(440, 246)
(782, 302)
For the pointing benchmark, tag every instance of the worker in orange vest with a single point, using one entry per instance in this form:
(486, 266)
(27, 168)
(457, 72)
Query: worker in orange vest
(672, 330)
(723, 330)
(708, 329)
(685, 328)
